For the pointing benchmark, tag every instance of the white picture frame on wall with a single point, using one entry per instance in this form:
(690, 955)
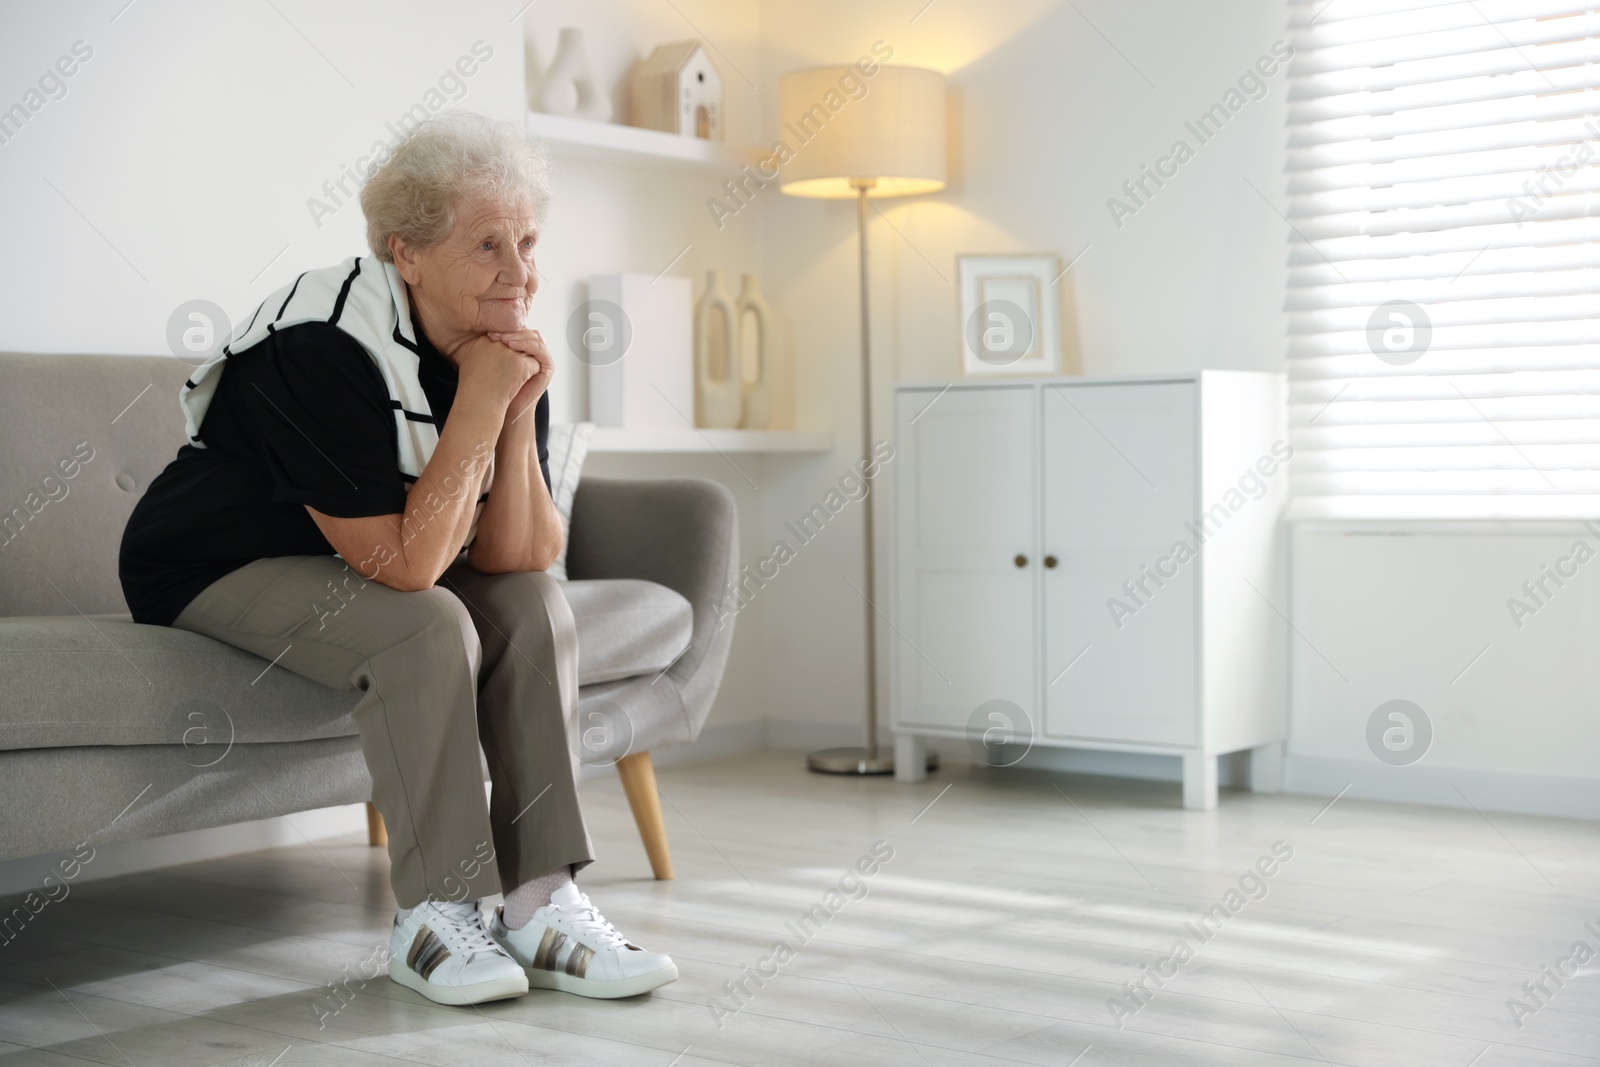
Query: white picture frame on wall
(1010, 314)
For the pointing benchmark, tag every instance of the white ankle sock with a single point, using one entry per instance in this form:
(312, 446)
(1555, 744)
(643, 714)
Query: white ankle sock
(532, 895)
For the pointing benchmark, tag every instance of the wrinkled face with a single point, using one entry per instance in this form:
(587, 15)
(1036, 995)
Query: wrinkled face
(481, 277)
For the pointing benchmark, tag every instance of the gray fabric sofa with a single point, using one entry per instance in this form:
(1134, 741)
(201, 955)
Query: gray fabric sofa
(112, 731)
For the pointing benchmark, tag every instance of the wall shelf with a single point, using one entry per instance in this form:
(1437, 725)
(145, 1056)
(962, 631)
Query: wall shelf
(687, 439)
(613, 142)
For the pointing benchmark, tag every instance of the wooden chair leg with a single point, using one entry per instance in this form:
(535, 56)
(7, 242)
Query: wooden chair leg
(377, 833)
(639, 782)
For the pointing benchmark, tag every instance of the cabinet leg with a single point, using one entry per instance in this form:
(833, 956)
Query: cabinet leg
(1266, 768)
(910, 758)
(1199, 781)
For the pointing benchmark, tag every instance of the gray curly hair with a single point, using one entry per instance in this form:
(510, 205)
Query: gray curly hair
(443, 160)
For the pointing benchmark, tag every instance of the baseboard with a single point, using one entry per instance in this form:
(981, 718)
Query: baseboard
(130, 857)
(800, 736)
(716, 741)
(1490, 791)
(1449, 787)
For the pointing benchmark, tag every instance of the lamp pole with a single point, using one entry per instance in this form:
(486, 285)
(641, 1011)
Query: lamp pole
(867, 759)
(890, 144)
(863, 186)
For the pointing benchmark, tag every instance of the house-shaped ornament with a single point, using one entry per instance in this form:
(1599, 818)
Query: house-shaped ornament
(677, 89)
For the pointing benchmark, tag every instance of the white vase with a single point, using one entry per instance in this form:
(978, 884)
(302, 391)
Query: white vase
(757, 391)
(716, 357)
(568, 86)
(532, 78)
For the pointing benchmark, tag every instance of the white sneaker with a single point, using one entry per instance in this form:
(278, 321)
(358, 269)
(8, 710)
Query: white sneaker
(443, 952)
(569, 945)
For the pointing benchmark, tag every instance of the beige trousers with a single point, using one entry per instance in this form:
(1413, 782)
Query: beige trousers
(478, 660)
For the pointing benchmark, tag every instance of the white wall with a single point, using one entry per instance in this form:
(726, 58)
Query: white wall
(1047, 121)
(185, 150)
(1420, 612)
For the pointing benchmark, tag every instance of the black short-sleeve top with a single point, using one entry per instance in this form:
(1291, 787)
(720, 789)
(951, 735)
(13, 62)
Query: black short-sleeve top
(303, 418)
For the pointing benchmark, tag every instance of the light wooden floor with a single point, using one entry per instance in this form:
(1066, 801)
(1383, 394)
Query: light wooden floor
(1009, 914)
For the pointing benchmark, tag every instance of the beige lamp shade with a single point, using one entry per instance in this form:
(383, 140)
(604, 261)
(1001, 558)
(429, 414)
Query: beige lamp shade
(893, 136)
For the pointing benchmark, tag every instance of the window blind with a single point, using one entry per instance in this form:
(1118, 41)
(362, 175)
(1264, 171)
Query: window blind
(1444, 318)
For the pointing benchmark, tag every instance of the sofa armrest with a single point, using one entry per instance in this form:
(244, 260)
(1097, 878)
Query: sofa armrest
(682, 533)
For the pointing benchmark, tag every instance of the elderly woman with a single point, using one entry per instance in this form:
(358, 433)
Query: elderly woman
(365, 501)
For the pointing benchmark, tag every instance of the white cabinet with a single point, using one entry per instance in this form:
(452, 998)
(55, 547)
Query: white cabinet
(1101, 555)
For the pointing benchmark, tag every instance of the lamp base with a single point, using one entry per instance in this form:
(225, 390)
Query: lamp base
(856, 761)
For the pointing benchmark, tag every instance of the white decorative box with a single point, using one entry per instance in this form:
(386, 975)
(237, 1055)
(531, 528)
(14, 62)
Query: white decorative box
(637, 335)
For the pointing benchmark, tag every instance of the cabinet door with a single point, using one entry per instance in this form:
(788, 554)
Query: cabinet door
(1120, 661)
(965, 617)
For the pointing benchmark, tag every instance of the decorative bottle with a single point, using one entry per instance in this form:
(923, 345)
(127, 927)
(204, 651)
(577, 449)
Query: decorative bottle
(716, 357)
(757, 359)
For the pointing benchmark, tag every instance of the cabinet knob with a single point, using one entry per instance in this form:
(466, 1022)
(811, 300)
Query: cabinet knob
(1021, 560)
(1050, 561)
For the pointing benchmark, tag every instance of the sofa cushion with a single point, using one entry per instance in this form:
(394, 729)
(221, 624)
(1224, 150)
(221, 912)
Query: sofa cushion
(627, 626)
(105, 680)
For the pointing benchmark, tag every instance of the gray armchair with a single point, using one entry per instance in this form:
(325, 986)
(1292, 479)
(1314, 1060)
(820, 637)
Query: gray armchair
(111, 730)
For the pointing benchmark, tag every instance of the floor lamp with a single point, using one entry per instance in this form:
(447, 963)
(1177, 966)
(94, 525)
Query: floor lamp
(863, 136)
